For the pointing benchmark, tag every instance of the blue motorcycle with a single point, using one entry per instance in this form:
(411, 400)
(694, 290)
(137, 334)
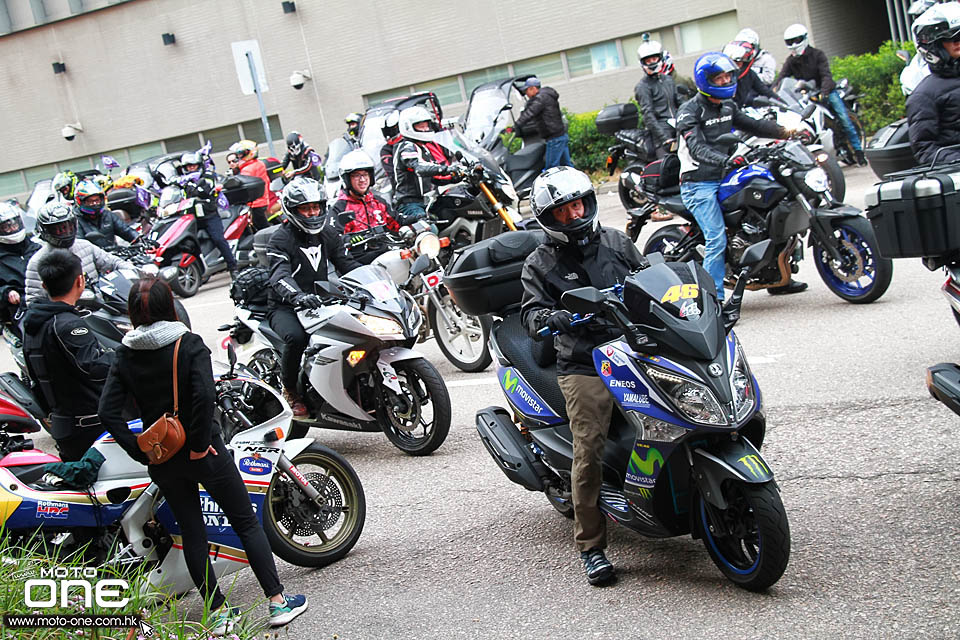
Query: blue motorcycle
(683, 451)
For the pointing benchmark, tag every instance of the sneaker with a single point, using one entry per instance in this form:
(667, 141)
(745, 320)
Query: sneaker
(296, 404)
(281, 614)
(794, 286)
(223, 619)
(598, 568)
(861, 160)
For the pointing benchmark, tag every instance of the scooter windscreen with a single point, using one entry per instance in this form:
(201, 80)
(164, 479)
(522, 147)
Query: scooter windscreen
(486, 117)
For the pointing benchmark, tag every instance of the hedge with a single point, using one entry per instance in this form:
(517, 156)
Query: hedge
(875, 77)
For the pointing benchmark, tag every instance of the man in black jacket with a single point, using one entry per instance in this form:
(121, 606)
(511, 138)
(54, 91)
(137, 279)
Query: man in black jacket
(656, 94)
(578, 253)
(93, 216)
(16, 250)
(64, 357)
(933, 109)
(749, 84)
(298, 253)
(419, 163)
(543, 113)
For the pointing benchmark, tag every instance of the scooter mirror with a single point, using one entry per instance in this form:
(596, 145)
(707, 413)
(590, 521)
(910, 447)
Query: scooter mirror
(231, 356)
(808, 111)
(421, 264)
(507, 107)
(903, 55)
(583, 300)
(344, 218)
(756, 253)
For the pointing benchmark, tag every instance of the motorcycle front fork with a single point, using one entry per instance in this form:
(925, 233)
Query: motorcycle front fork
(452, 326)
(290, 470)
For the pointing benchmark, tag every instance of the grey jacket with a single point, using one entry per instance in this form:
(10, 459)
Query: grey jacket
(95, 261)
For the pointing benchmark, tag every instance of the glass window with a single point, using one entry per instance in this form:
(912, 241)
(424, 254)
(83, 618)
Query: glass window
(253, 130)
(222, 137)
(144, 151)
(447, 90)
(189, 142)
(474, 79)
(665, 38)
(593, 59)
(381, 96)
(548, 67)
(76, 164)
(11, 183)
(35, 174)
(709, 33)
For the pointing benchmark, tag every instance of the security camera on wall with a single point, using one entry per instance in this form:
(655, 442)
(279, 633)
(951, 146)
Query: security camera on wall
(298, 78)
(70, 131)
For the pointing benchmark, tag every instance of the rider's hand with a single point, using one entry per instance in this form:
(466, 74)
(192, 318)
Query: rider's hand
(197, 456)
(559, 321)
(13, 296)
(308, 301)
(737, 161)
(802, 135)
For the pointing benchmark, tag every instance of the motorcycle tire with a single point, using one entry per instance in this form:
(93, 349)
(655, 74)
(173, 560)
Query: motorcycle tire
(343, 512)
(182, 314)
(838, 184)
(563, 508)
(956, 316)
(664, 239)
(187, 282)
(756, 555)
(864, 276)
(400, 423)
(467, 351)
(627, 197)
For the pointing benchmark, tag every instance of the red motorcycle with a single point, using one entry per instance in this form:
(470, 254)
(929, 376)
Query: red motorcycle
(16, 451)
(180, 242)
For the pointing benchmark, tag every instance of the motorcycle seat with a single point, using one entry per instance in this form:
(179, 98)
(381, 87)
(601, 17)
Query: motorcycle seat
(271, 335)
(673, 204)
(517, 346)
(527, 158)
(635, 139)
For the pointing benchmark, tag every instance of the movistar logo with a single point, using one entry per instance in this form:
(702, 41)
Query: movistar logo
(647, 464)
(512, 385)
(754, 465)
(509, 381)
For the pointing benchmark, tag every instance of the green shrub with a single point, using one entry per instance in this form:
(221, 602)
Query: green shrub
(588, 147)
(875, 77)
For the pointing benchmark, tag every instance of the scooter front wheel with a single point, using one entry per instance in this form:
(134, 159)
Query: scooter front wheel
(187, 282)
(308, 534)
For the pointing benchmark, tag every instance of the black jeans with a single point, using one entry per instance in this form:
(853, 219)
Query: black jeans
(73, 447)
(213, 225)
(284, 321)
(258, 216)
(178, 480)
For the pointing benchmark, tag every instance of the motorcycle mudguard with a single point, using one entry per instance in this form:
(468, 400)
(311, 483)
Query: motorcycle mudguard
(385, 364)
(732, 460)
(824, 221)
(293, 448)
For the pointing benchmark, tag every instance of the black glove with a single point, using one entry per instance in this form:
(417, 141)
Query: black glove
(308, 301)
(558, 321)
(736, 161)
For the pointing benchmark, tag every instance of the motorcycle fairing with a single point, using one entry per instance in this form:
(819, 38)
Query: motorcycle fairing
(737, 180)
(734, 459)
(524, 399)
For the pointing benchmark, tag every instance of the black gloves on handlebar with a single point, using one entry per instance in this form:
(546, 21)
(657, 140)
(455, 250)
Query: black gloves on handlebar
(557, 321)
(308, 301)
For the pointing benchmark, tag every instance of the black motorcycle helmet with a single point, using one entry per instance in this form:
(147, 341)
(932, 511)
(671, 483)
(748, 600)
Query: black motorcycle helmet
(295, 143)
(301, 191)
(391, 125)
(556, 187)
(57, 224)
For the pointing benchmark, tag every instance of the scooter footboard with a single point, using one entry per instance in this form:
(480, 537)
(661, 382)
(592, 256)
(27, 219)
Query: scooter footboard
(731, 460)
(508, 447)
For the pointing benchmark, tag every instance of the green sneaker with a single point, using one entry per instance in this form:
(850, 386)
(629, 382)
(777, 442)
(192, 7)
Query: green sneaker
(223, 619)
(281, 614)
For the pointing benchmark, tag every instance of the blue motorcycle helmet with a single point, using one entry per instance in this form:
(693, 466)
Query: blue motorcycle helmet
(707, 68)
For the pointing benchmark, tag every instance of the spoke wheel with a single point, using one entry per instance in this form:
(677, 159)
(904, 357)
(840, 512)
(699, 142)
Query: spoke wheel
(464, 344)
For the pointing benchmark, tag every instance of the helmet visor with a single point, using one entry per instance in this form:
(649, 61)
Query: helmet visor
(793, 42)
(65, 229)
(11, 226)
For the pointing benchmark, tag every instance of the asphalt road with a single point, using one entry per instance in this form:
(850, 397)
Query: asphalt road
(452, 549)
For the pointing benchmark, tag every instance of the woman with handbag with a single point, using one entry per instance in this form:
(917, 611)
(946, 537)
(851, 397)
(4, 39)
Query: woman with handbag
(168, 372)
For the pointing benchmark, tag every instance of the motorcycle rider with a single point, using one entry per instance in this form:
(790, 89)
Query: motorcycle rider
(57, 228)
(932, 108)
(763, 63)
(656, 94)
(302, 156)
(15, 251)
(353, 128)
(356, 197)
(701, 121)
(749, 84)
(93, 216)
(63, 184)
(298, 253)
(64, 357)
(810, 63)
(578, 253)
(419, 157)
(543, 113)
(200, 185)
(391, 137)
(249, 165)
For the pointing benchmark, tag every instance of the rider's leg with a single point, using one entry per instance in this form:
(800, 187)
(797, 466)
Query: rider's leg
(214, 227)
(839, 108)
(284, 321)
(700, 198)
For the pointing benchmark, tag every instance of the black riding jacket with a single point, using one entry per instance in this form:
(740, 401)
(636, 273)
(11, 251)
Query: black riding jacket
(75, 363)
(542, 113)
(414, 165)
(700, 123)
(13, 267)
(933, 114)
(304, 163)
(749, 86)
(108, 224)
(657, 97)
(812, 65)
(298, 260)
(552, 269)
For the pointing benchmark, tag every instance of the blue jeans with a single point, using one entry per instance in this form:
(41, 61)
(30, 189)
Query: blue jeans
(557, 153)
(840, 109)
(700, 198)
(410, 211)
(213, 225)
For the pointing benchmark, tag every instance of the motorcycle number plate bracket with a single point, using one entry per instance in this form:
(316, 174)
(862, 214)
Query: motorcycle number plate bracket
(433, 280)
(389, 375)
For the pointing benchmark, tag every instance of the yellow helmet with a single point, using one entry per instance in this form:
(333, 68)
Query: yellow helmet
(244, 149)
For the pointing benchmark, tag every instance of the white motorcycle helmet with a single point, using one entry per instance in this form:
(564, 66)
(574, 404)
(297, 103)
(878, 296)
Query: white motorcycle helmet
(651, 49)
(11, 224)
(938, 23)
(748, 35)
(414, 115)
(356, 160)
(796, 37)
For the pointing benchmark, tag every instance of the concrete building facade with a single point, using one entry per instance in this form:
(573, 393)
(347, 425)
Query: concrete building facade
(136, 94)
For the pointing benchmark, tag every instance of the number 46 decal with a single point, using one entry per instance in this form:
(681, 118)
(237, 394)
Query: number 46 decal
(680, 292)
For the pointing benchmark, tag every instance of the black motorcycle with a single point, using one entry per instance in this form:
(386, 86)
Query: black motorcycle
(781, 195)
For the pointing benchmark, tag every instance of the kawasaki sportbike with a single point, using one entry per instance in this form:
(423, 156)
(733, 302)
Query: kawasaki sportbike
(308, 498)
(683, 450)
(358, 372)
(781, 195)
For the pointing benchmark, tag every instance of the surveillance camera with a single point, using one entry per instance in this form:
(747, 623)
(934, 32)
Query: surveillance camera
(298, 78)
(70, 131)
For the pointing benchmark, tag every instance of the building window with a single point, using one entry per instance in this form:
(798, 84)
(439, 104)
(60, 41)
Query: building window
(222, 137)
(548, 67)
(253, 129)
(11, 183)
(382, 96)
(77, 164)
(144, 151)
(447, 90)
(709, 33)
(631, 43)
(189, 142)
(593, 59)
(474, 79)
(34, 175)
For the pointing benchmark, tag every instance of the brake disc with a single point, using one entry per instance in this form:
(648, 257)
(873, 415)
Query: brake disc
(849, 251)
(303, 517)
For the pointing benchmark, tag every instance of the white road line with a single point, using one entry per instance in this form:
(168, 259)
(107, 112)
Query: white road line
(765, 359)
(472, 382)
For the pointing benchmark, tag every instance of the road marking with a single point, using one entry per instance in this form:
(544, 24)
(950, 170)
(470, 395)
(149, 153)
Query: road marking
(472, 382)
(765, 359)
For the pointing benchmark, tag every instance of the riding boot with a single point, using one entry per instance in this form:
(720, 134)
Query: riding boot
(296, 404)
(794, 286)
(861, 160)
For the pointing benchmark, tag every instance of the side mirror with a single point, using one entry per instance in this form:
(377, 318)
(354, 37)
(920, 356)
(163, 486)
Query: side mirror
(583, 300)
(506, 107)
(756, 254)
(231, 357)
(421, 264)
(903, 55)
(344, 218)
(808, 111)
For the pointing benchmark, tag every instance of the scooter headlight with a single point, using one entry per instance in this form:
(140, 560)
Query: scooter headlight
(694, 400)
(383, 327)
(428, 244)
(741, 383)
(653, 429)
(816, 179)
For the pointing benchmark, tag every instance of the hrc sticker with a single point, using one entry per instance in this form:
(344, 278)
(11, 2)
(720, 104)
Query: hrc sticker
(51, 509)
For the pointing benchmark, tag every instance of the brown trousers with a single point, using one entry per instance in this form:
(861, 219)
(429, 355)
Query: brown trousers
(589, 407)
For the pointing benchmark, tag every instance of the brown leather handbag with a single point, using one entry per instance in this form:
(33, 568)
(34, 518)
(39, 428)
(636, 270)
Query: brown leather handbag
(165, 436)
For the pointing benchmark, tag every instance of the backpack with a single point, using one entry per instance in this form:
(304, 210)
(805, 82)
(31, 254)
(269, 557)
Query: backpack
(250, 287)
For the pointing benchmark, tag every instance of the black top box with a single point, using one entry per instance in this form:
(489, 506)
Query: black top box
(617, 117)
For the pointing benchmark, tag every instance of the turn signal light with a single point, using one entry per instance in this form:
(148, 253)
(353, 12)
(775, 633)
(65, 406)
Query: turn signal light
(406, 254)
(355, 357)
(274, 435)
(444, 242)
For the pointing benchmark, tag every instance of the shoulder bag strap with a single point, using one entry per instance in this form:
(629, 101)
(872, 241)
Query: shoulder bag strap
(176, 353)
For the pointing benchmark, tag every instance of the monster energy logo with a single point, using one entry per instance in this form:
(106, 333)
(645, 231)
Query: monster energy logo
(644, 493)
(647, 464)
(754, 465)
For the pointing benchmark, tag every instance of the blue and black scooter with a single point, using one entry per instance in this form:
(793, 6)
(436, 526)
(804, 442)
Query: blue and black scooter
(683, 451)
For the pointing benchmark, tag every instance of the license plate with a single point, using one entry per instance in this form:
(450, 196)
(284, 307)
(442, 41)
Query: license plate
(198, 209)
(433, 280)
